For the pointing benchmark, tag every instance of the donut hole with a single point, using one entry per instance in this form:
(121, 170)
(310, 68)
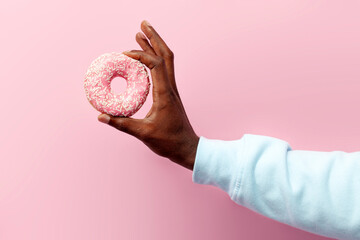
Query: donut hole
(118, 85)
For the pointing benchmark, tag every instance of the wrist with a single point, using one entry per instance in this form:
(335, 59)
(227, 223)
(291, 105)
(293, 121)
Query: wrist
(188, 152)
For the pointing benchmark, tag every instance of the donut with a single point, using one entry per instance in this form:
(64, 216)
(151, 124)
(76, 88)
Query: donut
(98, 89)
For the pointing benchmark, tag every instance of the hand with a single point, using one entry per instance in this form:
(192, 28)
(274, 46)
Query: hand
(166, 129)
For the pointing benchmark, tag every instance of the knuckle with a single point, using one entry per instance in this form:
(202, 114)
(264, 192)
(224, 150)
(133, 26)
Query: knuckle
(169, 54)
(119, 125)
(159, 61)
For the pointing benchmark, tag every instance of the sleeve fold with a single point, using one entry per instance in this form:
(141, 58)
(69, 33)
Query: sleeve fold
(315, 191)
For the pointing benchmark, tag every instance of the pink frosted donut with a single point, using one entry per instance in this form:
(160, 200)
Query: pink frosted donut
(99, 76)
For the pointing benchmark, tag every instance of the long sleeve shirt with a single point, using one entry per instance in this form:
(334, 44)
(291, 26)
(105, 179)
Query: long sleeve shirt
(315, 191)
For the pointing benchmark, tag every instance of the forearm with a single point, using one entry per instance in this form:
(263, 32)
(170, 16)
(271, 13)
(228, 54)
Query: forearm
(315, 191)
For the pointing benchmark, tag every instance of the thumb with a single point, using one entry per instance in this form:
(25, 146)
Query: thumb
(128, 125)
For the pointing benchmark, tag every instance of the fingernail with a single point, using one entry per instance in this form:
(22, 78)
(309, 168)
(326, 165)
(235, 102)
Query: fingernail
(141, 35)
(104, 118)
(126, 52)
(147, 23)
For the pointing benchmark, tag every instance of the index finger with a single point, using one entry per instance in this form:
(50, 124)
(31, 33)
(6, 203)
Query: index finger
(158, 44)
(155, 63)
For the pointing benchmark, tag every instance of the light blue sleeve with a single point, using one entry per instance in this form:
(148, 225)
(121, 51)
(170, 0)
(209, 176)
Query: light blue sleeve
(318, 192)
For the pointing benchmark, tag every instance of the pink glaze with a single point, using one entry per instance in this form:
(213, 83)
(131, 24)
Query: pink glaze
(99, 76)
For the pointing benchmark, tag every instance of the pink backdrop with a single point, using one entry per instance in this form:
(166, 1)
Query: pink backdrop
(286, 69)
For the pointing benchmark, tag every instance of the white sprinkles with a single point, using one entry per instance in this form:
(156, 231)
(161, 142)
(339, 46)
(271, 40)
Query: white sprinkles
(98, 79)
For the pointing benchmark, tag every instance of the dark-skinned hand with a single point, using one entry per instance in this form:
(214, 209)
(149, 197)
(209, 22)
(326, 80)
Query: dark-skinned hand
(166, 129)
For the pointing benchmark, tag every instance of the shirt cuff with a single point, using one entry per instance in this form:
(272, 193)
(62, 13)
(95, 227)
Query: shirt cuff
(220, 163)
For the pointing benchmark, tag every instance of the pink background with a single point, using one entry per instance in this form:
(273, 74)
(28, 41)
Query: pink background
(285, 68)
